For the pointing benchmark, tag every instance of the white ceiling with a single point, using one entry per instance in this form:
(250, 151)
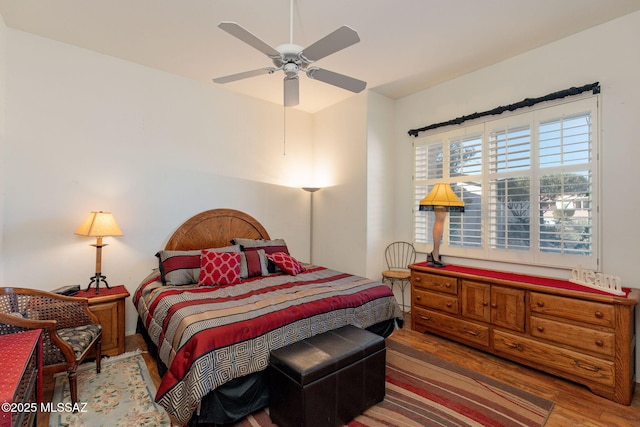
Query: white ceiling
(406, 45)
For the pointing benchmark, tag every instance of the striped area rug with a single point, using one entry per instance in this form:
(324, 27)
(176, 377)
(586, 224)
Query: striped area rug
(424, 390)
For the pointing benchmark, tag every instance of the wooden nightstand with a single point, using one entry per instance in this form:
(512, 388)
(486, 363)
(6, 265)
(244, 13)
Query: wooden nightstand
(108, 305)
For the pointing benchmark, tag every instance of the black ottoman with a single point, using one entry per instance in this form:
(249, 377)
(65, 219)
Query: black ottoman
(327, 379)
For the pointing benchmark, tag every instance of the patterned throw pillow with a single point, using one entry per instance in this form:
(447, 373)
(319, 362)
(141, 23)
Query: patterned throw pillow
(183, 267)
(177, 267)
(286, 263)
(269, 246)
(253, 264)
(219, 268)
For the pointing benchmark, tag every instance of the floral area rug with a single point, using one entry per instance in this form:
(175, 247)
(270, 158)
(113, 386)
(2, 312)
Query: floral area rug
(120, 395)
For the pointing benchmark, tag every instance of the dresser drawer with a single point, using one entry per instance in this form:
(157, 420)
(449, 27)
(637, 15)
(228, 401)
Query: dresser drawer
(567, 361)
(576, 336)
(586, 338)
(436, 301)
(591, 312)
(467, 331)
(435, 282)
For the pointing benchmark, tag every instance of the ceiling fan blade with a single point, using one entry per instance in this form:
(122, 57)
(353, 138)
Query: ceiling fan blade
(336, 79)
(291, 91)
(239, 32)
(341, 38)
(244, 75)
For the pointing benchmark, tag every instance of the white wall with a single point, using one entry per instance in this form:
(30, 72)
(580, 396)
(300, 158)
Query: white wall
(89, 132)
(609, 54)
(380, 181)
(353, 163)
(340, 165)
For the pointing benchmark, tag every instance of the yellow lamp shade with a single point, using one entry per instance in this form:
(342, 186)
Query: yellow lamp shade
(442, 195)
(99, 224)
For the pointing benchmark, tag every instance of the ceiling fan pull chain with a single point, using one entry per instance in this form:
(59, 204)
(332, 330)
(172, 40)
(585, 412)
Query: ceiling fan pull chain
(284, 130)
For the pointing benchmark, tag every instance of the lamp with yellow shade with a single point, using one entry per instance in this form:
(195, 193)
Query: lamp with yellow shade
(99, 224)
(441, 199)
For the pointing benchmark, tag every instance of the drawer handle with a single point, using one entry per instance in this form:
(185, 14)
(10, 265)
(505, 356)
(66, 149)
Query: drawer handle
(514, 345)
(474, 333)
(418, 279)
(418, 297)
(540, 304)
(540, 328)
(494, 305)
(448, 285)
(449, 305)
(425, 317)
(587, 368)
(599, 314)
(599, 343)
(484, 304)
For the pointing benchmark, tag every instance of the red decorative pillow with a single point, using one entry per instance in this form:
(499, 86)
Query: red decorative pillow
(183, 267)
(177, 267)
(269, 246)
(286, 263)
(253, 263)
(219, 268)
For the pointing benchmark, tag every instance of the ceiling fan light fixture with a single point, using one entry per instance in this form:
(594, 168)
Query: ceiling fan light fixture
(291, 90)
(291, 69)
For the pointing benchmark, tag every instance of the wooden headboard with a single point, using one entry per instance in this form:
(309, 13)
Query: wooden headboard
(215, 229)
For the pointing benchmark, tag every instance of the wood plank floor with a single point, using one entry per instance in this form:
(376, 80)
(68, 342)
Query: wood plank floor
(575, 405)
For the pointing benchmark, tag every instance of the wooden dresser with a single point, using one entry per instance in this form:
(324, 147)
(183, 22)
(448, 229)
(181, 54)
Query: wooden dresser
(21, 378)
(553, 325)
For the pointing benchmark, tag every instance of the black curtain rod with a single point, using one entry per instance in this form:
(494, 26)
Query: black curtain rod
(528, 102)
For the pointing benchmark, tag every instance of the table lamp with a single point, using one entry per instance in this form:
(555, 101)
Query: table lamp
(99, 224)
(441, 199)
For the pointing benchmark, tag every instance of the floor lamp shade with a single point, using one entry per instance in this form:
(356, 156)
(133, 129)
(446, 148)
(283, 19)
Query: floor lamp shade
(98, 225)
(440, 200)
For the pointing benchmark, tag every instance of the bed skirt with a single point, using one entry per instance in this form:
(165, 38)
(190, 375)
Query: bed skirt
(241, 396)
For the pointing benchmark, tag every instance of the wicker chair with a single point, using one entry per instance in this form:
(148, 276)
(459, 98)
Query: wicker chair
(71, 333)
(398, 256)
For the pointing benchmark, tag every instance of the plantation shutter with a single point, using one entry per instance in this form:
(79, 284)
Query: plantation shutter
(529, 182)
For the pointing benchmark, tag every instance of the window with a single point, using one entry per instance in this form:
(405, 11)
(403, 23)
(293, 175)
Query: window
(529, 183)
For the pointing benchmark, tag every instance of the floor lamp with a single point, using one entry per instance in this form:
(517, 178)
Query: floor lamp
(98, 225)
(441, 199)
(311, 190)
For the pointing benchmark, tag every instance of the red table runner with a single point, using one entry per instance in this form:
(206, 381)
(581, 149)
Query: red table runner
(15, 350)
(104, 291)
(521, 278)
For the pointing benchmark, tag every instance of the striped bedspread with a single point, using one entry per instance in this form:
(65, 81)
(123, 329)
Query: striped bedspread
(207, 336)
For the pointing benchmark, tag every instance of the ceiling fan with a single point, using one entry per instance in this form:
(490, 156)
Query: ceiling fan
(291, 58)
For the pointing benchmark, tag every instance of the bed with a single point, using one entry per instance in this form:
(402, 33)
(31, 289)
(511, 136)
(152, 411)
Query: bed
(212, 332)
